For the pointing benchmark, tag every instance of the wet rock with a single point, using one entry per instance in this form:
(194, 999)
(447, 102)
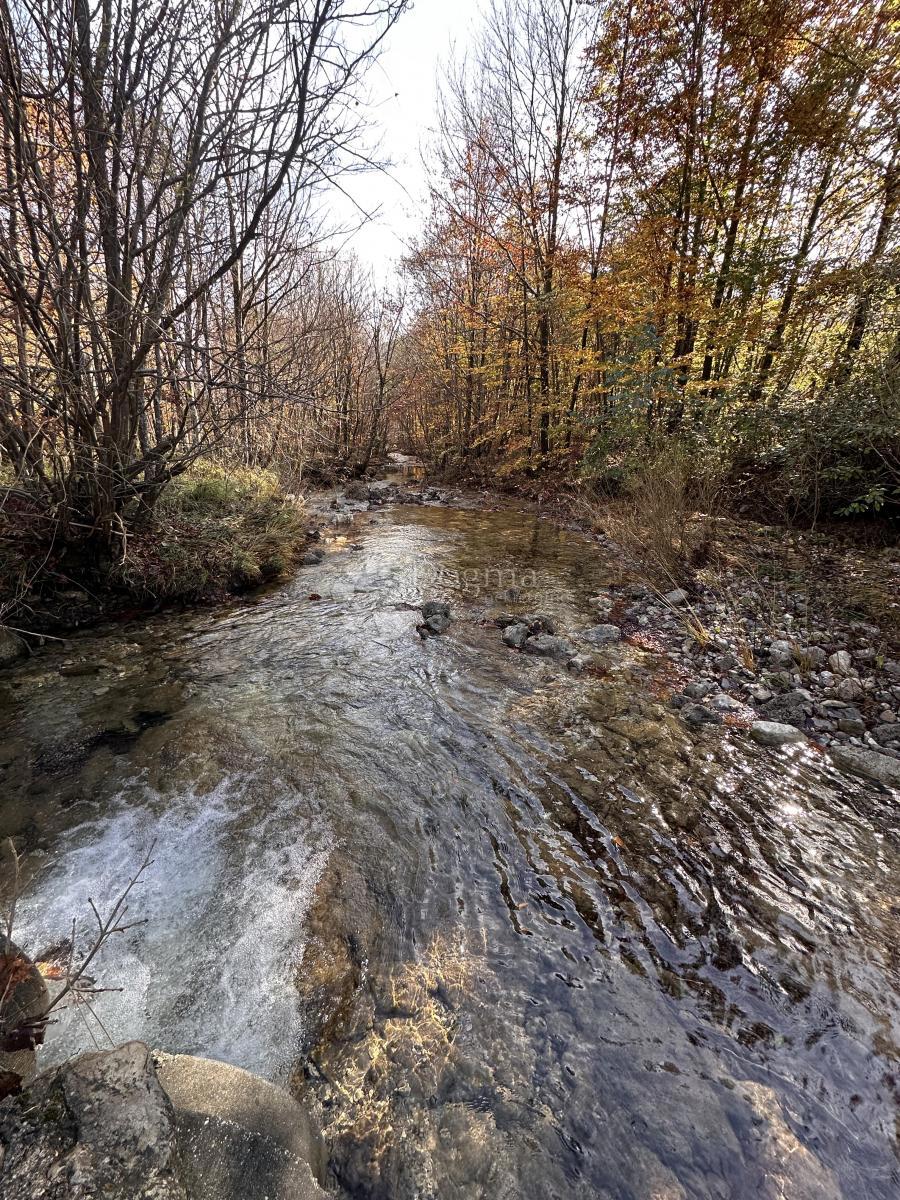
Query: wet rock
(871, 764)
(12, 647)
(436, 618)
(774, 733)
(99, 1126)
(516, 635)
(311, 557)
(501, 620)
(601, 635)
(432, 608)
(546, 646)
(699, 714)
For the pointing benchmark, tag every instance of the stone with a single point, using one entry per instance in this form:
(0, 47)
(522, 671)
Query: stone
(840, 662)
(98, 1126)
(578, 664)
(12, 647)
(850, 720)
(774, 733)
(675, 597)
(871, 764)
(516, 635)
(698, 688)
(433, 608)
(885, 734)
(601, 635)
(311, 557)
(539, 623)
(501, 620)
(725, 704)
(241, 1138)
(437, 623)
(850, 689)
(357, 490)
(699, 714)
(546, 646)
(789, 708)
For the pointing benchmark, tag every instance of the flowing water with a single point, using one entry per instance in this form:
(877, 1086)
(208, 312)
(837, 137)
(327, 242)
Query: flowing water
(507, 932)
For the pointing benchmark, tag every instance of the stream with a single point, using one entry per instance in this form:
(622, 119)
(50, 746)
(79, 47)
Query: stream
(506, 931)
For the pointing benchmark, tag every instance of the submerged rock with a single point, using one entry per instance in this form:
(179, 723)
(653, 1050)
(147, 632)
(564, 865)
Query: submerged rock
(774, 733)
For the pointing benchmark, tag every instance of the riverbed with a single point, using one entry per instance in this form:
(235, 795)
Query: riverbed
(507, 931)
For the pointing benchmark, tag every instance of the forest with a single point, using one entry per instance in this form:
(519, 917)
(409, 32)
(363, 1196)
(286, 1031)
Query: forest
(656, 233)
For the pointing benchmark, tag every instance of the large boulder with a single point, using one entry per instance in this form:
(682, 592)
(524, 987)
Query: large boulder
(98, 1126)
(126, 1124)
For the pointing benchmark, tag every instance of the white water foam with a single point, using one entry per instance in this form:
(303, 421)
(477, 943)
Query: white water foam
(212, 969)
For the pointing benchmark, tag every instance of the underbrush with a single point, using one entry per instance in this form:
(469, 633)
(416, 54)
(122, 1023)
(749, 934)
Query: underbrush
(215, 530)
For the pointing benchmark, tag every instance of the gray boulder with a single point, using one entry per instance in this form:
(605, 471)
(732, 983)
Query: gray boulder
(885, 734)
(601, 635)
(773, 733)
(99, 1126)
(546, 646)
(11, 647)
(516, 635)
(869, 763)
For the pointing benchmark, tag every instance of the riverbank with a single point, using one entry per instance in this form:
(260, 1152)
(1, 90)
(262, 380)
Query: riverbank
(794, 628)
(215, 533)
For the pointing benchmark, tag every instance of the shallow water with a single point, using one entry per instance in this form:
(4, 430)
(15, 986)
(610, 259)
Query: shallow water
(507, 932)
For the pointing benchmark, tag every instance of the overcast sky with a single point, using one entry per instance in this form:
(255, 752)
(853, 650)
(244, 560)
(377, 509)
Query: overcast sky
(414, 53)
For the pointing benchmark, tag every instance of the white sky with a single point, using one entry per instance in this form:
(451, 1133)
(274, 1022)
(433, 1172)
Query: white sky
(410, 65)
